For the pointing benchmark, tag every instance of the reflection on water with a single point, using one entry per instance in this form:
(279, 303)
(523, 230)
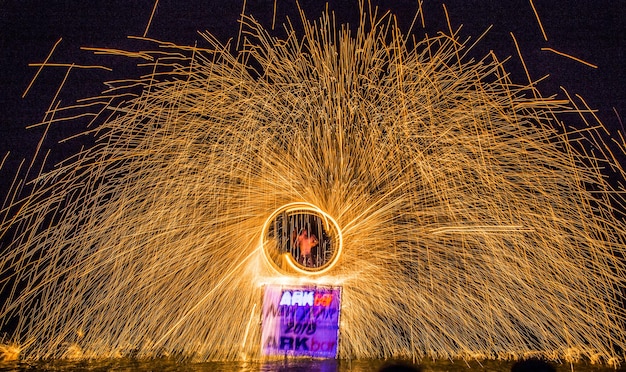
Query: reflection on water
(132, 365)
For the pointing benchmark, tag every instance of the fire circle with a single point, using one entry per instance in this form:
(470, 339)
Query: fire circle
(300, 238)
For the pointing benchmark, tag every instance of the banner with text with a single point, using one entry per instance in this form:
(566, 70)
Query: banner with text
(301, 320)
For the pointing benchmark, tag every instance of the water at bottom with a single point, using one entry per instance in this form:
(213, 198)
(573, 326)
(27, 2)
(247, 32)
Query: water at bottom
(288, 365)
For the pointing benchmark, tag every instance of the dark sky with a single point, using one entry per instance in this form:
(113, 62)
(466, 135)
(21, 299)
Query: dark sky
(593, 30)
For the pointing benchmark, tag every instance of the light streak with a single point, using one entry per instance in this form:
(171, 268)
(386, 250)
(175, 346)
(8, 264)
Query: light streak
(471, 223)
(41, 68)
(156, 3)
(570, 57)
(543, 32)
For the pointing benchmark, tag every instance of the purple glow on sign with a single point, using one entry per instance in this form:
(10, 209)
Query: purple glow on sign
(301, 321)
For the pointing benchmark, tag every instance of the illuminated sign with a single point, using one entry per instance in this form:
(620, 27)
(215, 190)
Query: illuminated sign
(301, 321)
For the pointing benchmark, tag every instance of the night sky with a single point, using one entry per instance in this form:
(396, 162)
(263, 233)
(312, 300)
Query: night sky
(593, 30)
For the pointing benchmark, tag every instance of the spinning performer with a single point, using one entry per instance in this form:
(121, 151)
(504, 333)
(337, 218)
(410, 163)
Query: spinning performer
(306, 243)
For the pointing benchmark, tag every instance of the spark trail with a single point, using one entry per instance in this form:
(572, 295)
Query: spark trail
(474, 224)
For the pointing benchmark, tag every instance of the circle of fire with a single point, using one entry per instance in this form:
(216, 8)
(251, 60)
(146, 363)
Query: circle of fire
(269, 246)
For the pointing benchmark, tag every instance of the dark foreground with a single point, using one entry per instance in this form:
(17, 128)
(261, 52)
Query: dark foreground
(132, 365)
